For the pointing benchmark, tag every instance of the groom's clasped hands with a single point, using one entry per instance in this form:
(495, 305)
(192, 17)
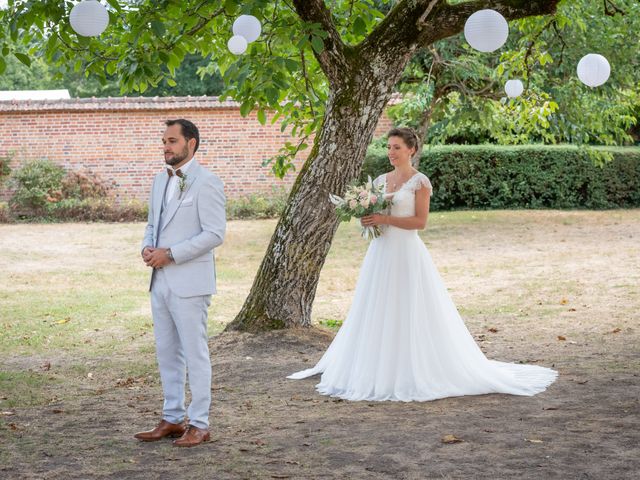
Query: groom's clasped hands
(156, 257)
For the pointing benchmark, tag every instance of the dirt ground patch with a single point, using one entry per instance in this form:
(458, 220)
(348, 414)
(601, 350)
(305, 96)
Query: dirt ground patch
(264, 426)
(559, 289)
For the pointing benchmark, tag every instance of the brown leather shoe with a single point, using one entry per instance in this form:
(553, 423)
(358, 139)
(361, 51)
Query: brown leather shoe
(192, 437)
(164, 429)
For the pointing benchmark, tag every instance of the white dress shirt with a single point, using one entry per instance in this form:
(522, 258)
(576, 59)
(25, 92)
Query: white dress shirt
(174, 180)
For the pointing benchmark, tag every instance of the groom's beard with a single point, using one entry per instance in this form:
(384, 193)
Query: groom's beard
(176, 159)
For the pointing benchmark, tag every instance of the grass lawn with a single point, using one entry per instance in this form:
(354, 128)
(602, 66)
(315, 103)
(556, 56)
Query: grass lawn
(552, 287)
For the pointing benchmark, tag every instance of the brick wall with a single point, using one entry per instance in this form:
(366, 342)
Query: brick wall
(121, 139)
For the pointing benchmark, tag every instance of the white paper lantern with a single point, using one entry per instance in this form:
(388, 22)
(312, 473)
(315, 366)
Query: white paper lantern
(237, 45)
(513, 88)
(89, 18)
(593, 70)
(486, 30)
(248, 26)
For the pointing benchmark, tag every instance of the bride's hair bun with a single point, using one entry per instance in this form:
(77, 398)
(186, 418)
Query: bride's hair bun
(407, 134)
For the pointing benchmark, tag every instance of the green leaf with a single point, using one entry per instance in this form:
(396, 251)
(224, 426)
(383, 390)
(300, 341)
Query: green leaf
(272, 95)
(292, 65)
(317, 44)
(246, 107)
(171, 82)
(111, 68)
(23, 58)
(158, 28)
(230, 7)
(262, 117)
(115, 4)
(3, 65)
(359, 27)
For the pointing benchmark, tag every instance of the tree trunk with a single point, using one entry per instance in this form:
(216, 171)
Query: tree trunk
(423, 128)
(284, 288)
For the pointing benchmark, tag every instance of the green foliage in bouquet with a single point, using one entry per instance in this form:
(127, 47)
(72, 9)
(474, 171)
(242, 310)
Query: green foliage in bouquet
(359, 201)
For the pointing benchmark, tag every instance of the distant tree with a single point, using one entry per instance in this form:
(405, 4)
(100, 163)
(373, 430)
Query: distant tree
(455, 94)
(42, 75)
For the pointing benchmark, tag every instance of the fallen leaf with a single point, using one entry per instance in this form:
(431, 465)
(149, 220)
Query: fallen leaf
(89, 375)
(493, 330)
(451, 439)
(259, 442)
(582, 382)
(64, 320)
(57, 410)
(7, 413)
(533, 440)
(572, 309)
(564, 301)
(550, 408)
(616, 330)
(561, 338)
(46, 366)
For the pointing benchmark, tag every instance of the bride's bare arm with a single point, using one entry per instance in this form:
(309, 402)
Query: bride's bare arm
(417, 222)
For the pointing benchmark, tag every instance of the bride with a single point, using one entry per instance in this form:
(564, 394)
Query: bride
(403, 338)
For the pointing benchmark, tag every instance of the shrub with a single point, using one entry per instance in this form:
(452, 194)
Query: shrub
(37, 184)
(83, 185)
(533, 176)
(97, 210)
(257, 205)
(5, 213)
(45, 191)
(5, 169)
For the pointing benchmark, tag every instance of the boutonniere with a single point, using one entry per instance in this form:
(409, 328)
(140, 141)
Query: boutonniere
(182, 183)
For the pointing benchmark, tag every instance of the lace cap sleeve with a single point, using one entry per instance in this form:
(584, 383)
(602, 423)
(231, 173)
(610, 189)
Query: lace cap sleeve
(419, 181)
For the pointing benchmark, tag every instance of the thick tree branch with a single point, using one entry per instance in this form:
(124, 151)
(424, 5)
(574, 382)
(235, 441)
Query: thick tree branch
(448, 20)
(414, 23)
(332, 59)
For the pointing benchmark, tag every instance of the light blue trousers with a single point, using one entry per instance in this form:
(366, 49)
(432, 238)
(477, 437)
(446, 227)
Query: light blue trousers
(180, 328)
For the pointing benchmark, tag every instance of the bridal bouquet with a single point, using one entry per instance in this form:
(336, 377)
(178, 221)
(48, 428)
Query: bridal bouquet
(360, 201)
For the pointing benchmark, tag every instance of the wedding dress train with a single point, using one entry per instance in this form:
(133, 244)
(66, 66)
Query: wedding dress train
(403, 338)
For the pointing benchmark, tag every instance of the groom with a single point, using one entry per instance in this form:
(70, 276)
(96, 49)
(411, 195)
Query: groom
(186, 222)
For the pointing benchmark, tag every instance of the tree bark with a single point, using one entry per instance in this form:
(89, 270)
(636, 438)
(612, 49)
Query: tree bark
(423, 129)
(362, 80)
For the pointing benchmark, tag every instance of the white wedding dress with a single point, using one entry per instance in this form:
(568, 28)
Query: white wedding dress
(403, 338)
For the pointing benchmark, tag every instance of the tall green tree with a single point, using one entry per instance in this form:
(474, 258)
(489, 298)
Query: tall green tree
(326, 68)
(190, 78)
(454, 93)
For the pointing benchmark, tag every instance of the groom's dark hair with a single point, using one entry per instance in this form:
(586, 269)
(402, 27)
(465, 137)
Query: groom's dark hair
(189, 130)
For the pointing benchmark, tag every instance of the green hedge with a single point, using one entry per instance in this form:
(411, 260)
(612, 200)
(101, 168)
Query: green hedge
(487, 176)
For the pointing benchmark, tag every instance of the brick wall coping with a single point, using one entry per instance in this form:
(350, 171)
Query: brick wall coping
(127, 103)
(118, 104)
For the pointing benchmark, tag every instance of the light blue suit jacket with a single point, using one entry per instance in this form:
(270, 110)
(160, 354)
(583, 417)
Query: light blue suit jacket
(193, 224)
